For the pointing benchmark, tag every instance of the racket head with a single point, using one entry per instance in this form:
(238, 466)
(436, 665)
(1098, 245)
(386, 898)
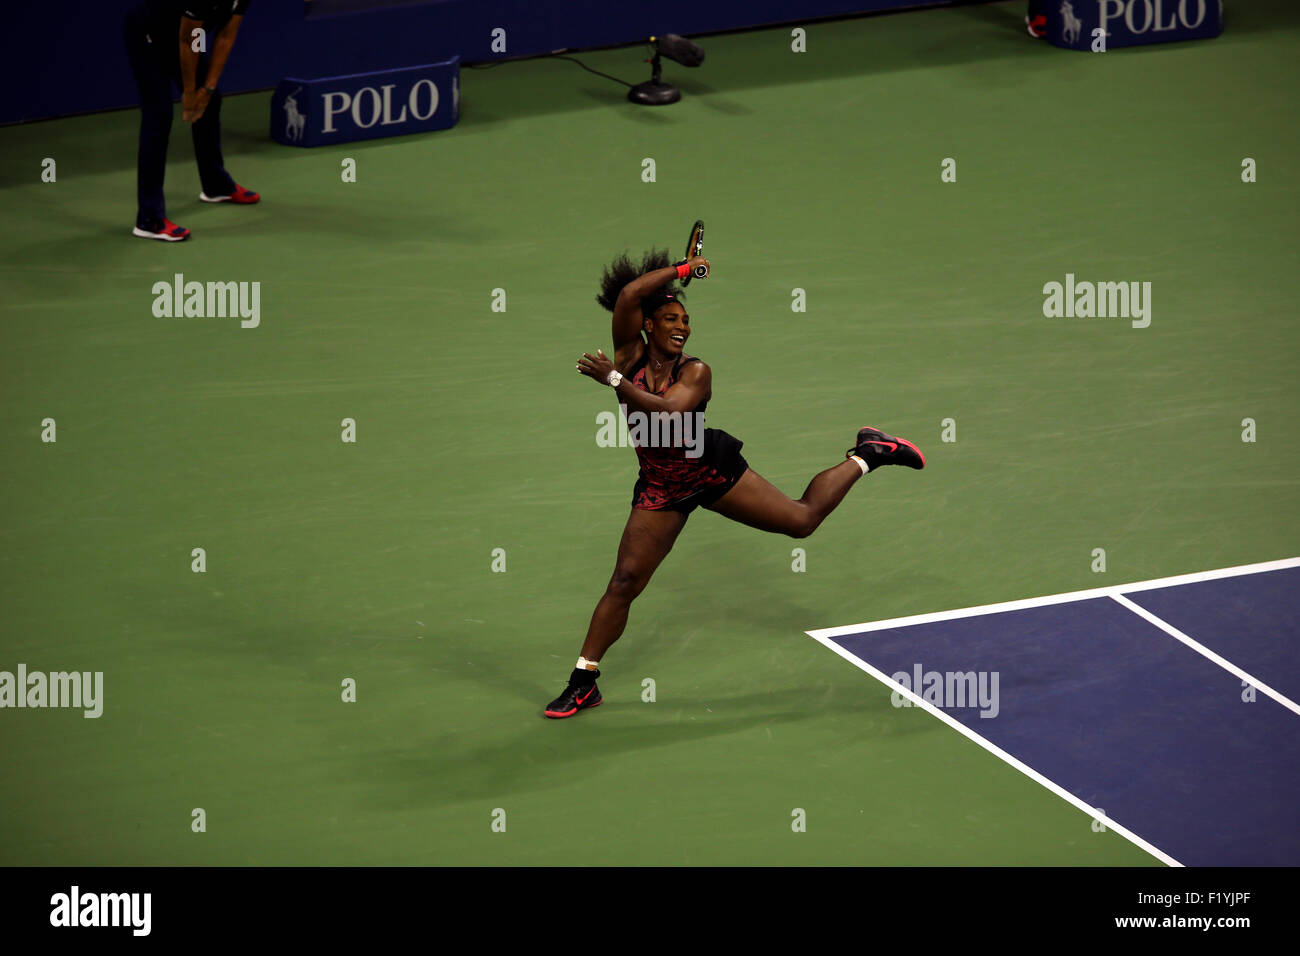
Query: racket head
(694, 245)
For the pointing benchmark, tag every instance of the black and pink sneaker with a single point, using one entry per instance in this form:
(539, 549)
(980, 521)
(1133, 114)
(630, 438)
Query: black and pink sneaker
(579, 695)
(241, 196)
(163, 229)
(876, 449)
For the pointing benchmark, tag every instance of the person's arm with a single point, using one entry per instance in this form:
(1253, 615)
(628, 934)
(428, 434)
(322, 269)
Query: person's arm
(221, 46)
(189, 67)
(627, 311)
(684, 395)
(221, 51)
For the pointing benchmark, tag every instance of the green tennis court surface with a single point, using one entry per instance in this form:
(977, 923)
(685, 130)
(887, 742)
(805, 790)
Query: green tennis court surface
(373, 560)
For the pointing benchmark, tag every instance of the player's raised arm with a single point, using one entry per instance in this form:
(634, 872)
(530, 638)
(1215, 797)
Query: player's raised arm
(627, 310)
(623, 286)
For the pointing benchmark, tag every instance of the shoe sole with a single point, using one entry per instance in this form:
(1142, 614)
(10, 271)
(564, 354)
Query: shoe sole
(143, 234)
(206, 198)
(901, 441)
(569, 713)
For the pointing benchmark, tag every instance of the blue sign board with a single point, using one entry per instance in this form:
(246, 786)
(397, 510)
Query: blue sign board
(343, 109)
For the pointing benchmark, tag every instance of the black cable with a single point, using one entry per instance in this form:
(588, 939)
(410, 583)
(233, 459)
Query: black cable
(590, 70)
(556, 56)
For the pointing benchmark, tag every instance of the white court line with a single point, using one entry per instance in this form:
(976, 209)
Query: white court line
(1201, 649)
(1049, 599)
(825, 636)
(997, 751)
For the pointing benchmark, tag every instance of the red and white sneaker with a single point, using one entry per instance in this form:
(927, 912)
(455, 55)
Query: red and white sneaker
(1036, 25)
(242, 196)
(167, 231)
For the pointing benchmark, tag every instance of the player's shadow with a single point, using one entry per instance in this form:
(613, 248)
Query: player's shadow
(549, 754)
(515, 749)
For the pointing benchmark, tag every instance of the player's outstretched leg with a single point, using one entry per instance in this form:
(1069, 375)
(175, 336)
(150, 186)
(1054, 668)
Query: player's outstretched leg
(758, 503)
(647, 539)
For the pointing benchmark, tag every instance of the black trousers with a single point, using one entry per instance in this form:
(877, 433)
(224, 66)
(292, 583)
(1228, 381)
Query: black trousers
(155, 61)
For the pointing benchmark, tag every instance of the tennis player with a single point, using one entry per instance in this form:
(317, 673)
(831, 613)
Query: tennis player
(651, 373)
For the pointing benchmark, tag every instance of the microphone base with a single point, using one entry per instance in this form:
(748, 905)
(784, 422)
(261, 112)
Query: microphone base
(651, 93)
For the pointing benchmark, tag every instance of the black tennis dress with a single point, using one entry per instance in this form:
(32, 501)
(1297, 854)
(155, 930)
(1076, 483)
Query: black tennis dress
(671, 479)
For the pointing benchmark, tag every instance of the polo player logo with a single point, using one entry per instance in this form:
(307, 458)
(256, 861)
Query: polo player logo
(295, 121)
(1072, 25)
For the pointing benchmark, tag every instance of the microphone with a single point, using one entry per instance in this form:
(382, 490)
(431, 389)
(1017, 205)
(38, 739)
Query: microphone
(680, 50)
(654, 92)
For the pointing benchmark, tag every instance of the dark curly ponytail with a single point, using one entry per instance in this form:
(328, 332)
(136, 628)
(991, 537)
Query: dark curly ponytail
(622, 271)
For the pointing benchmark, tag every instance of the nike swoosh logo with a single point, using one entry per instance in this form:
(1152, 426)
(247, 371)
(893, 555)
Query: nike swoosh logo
(582, 700)
(893, 445)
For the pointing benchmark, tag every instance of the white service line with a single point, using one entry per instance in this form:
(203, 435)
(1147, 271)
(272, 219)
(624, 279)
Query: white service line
(1050, 599)
(992, 748)
(1204, 651)
(824, 636)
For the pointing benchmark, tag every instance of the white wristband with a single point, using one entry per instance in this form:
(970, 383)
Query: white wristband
(614, 378)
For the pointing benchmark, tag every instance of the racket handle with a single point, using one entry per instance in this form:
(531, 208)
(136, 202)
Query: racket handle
(701, 272)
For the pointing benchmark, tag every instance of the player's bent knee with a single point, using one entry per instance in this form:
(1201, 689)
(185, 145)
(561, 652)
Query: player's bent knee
(803, 526)
(625, 584)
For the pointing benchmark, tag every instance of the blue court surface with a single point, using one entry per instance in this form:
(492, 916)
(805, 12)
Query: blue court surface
(1166, 709)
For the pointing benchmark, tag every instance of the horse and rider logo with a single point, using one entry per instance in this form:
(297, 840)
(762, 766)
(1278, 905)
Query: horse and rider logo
(295, 121)
(1071, 25)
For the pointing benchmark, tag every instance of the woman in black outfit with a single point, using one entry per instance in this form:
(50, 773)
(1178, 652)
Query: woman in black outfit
(651, 374)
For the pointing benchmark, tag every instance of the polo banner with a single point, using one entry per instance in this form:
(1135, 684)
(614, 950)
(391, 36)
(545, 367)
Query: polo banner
(342, 109)
(1072, 23)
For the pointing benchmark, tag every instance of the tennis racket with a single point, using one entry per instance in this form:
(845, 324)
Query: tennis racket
(695, 247)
